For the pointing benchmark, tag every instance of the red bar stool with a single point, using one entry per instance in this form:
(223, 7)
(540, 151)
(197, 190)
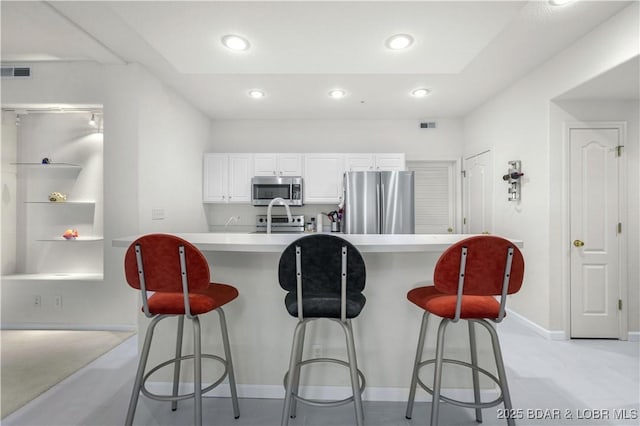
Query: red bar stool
(324, 276)
(466, 278)
(178, 275)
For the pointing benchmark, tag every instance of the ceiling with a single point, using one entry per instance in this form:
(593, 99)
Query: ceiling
(464, 51)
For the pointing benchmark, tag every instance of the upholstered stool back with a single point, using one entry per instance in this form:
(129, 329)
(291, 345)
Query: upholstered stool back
(321, 272)
(486, 261)
(161, 262)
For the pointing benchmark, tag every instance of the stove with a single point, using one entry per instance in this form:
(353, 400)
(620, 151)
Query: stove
(280, 223)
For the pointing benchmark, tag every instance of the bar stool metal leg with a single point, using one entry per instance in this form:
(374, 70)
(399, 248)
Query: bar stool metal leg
(197, 371)
(296, 373)
(437, 375)
(176, 368)
(502, 375)
(142, 364)
(474, 371)
(292, 366)
(416, 365)
(353, 369)
(227, 355)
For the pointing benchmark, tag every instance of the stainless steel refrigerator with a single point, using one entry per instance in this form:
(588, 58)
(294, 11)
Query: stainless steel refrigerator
(379, 203)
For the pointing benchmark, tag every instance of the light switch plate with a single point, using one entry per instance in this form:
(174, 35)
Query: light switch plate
(157, 214)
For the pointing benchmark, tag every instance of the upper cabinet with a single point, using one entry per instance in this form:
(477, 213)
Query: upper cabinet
(323, 178)
(227, 178)
(375, 162)
(267, 164)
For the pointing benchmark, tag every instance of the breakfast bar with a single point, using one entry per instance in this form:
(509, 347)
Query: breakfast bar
(260, 328)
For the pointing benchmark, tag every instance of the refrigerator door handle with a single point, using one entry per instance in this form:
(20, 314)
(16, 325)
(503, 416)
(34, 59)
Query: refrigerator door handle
(379, 209)
(381, 201)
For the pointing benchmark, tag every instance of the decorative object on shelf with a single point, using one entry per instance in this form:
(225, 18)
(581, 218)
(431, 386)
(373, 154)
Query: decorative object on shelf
(513, 179)
(57, 197)
(45, 160)
(70, 234)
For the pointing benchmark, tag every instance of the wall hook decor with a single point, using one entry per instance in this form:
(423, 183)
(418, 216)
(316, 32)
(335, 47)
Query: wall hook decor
(513, 179)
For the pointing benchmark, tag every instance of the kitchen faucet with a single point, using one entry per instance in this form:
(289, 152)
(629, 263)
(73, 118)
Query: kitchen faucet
(286, 206)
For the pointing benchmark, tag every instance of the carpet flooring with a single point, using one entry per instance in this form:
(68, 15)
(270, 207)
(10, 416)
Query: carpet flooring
(32, 361)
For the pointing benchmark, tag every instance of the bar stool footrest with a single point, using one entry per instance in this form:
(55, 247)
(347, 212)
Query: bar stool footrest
(321, 403)
(146, 392)
(459, 403)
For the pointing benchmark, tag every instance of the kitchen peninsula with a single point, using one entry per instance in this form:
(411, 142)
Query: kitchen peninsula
(261, 330)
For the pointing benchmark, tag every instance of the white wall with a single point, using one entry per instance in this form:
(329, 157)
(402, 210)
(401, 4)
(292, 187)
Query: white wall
(9, 154)
(441, 143)
(172, 139)
(516, 125)
(150, 136)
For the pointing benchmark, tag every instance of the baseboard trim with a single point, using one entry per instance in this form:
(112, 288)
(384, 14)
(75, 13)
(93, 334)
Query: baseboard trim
(633, 336)
(323, 392)
(547, 334)
(64, 326)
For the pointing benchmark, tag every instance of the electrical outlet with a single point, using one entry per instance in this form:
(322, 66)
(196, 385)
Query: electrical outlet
(37, 301)
(57, 302)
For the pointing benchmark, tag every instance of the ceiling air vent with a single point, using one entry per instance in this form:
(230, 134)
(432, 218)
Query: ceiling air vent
(428, 125)
(16, 72)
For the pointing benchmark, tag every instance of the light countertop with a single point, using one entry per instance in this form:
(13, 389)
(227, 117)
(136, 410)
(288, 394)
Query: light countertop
(275, 243)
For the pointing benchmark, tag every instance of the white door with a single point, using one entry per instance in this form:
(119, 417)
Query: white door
(594, 173)
(478, 194)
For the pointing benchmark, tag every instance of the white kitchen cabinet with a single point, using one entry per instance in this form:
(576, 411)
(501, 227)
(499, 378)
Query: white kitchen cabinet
(375, 162)
(323, 178)
(269, 164)
(227, 178)
(359, 162)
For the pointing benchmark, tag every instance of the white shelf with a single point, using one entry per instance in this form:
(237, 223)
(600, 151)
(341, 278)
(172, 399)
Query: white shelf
(55, 276)
(61, 202)
(77, 240)
(49, 166)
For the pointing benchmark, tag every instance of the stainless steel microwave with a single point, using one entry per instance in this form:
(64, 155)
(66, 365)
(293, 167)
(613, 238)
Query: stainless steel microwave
(266, 188)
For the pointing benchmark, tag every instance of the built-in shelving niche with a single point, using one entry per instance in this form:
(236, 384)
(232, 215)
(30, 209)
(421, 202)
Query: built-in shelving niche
(42, 253)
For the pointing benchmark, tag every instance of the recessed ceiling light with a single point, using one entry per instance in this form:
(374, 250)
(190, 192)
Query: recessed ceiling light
(559, 2)
(235, 42)
(256, 94)
(399, 41)
(337, 93)
(420, 93)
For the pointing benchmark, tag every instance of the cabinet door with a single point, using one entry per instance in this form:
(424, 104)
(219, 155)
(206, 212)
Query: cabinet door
(359, 162)
(216, 178)
(390, 162)
(265, 164)
(289, 165)
(323, 178)
(240, 172)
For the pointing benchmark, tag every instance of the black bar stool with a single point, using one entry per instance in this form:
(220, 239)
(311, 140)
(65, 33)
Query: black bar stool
(466, 278)
(324, 276)
(178, 275)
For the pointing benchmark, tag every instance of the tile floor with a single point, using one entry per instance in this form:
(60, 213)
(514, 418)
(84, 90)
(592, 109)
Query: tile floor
(579, 382)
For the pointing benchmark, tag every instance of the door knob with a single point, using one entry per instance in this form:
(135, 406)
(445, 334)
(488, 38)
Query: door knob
(578, 243)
